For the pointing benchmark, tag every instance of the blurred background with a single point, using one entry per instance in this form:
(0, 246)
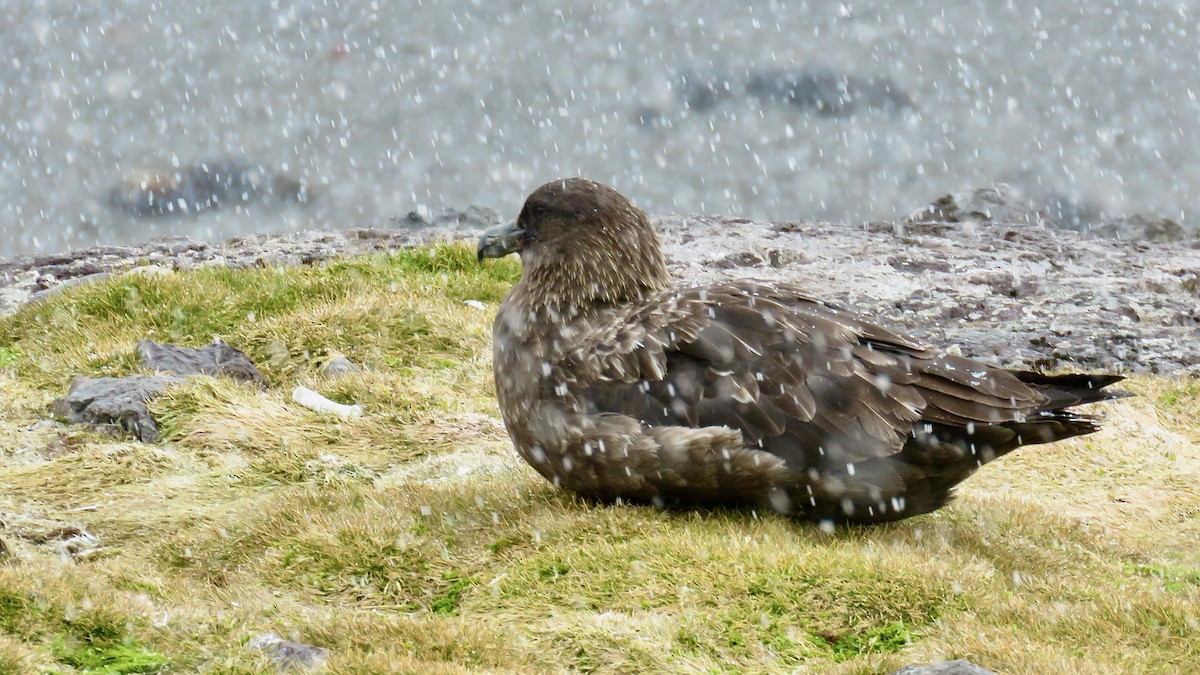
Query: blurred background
(120, 121)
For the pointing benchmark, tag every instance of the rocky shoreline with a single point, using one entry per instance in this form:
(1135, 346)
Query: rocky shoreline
(996, 281)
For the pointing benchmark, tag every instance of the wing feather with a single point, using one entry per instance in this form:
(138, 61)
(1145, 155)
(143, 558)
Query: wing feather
(814, 384)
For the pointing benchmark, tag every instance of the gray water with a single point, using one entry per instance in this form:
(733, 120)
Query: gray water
(389, 107)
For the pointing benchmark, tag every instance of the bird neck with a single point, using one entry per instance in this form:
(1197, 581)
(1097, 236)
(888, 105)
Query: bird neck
(588, 277)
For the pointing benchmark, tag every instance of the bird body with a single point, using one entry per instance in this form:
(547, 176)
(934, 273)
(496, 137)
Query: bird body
(619, 384)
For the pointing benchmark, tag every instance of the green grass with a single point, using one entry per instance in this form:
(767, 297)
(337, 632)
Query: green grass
(107, 657)
(413, 539)
(76, 634)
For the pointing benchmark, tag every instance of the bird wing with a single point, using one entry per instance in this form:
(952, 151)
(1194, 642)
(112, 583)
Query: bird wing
(805, 380)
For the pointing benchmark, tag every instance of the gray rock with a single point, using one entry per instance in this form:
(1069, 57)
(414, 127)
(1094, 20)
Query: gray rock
(1017, 295)
(288, 654)
(1081, 214)
(21, 277)
(1005, 291)
(471, 218)
(814, 87)
(827, 91)
(1140, 228)
(54, 288)
(215, 359)
(702, 87)
(340, 366)
(997, 204)
(202, 186)
(114, 400)
(955, 667)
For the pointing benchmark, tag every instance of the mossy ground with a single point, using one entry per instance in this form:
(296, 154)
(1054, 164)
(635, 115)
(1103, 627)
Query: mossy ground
(412, 539)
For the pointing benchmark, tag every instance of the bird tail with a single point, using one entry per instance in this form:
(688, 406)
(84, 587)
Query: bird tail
(931, 464)
(1072, 389)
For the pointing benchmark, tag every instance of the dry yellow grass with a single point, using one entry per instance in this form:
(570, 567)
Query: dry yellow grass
(412, 539)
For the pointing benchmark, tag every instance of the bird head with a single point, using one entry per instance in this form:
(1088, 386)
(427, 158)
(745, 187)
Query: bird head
(581, 241)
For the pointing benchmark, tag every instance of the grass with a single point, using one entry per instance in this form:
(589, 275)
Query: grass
(412, 539)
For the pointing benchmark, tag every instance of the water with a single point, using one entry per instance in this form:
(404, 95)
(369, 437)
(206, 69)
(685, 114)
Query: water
(390, 106)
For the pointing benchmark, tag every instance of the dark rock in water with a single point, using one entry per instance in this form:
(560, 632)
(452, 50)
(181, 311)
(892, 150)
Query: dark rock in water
(702, 88)
(1140, 228)
(650, 117)
(827, 91)
(215, 359)
(810, 87)
(114, 400)
(288, 654)
(470, 218)
(202, 187)
(955, 667)
(1000, 204)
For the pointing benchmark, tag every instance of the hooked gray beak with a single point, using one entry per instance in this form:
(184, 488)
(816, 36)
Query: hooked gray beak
(499, 241)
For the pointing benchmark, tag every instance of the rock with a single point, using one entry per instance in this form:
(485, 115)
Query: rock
(816, 87)
(1140, 228)
(340, 366)
(77, 545)
(114, 400)
(702, 87)
(471, 218)
(150, 271)
(61, 284)
(908, 282)
(998, 204)
(21, 278)
(70, 542)
(1083, 215)
(649, 117)
(917, 264)
(827, 91)
(1004, 283)
(215, 359)
(1011, 294)
(288, 654)
(955, 667)
(201, 187)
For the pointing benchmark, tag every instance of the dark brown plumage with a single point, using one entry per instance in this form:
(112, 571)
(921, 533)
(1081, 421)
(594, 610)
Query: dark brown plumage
(617, 384)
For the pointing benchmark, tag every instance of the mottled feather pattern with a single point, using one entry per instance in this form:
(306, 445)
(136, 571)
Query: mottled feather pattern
(617, 384)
